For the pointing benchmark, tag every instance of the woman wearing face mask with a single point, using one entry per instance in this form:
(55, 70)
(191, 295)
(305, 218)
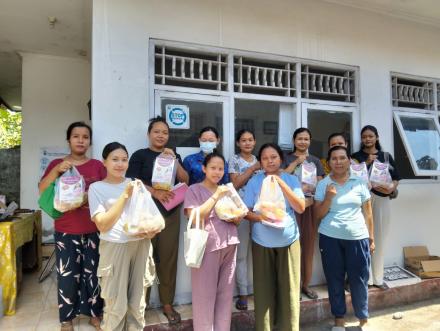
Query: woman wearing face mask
(275, 252)
(125, 267)
(372, 150)
(335, 139)
(209, 139)
(242, 167)
(346, 236)
(307, 227)
(76, 236)
(213, 283)
(165, 244)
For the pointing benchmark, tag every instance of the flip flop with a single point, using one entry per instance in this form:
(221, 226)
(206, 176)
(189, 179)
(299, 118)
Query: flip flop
(310, 294)
(173, 317)
(241, 304)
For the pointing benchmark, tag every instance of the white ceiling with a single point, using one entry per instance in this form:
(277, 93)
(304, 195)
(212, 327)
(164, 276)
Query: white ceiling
(421, 11)
(24, 27)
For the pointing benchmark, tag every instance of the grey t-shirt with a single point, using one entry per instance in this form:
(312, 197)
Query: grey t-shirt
(290, 157)
(102, 196)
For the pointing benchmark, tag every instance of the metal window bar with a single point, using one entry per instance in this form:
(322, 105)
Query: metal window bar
(209, 72)
(256, 76)
(326, 83)
(412, 93)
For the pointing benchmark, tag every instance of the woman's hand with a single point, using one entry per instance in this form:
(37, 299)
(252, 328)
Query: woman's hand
(371, 158)
(385, 189)
(330, 192)
(169, 151)
(221, 191)
(372, 245)
(236, 220)
(128, 191)
(256, 167)
(162, 195)
(148, 235)
(63, 167)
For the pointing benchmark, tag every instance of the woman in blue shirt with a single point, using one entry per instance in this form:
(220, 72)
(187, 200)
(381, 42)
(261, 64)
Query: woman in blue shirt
(346, 236)
(209, 139)
(275, 251)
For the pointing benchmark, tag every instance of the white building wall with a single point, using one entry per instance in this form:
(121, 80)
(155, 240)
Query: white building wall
(55, 93)
(308, 29)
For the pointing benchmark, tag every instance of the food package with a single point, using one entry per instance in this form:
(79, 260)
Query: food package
(308, 178)
(140, 212)
(271, 203)
(70, 190)
(380, 175)
(164, 172)
(231, 205)
(360, 170)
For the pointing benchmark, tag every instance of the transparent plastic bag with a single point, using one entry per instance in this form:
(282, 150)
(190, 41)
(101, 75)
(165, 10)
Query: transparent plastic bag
(271, 203)
(308, 178)
(230, 206)
(360, 170)
(380, 175)
(164, 172)
(140, 212)
(70, 190)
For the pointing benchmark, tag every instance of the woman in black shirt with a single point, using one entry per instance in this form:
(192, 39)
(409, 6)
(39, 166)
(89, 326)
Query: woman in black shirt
(165, 244)
(371, 150)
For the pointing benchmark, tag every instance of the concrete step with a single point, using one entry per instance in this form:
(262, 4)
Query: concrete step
(313, 311)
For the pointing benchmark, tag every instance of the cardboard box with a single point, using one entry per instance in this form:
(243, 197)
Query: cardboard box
(418, 261)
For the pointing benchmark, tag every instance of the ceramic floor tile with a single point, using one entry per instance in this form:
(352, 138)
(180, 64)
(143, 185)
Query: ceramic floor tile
(152, 316)
(20, 321)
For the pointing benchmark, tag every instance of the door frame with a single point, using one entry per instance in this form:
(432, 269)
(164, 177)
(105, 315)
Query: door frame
(228, 119)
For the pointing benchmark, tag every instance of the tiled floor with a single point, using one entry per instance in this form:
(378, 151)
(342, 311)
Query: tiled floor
(37, 308)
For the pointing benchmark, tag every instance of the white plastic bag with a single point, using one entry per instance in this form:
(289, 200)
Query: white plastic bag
(70, 190)
(164, 172)
(230, 206)
(194, 240)
(380, 175)
(271, 203)
(360, 170)
(308, 178)
(140, 212)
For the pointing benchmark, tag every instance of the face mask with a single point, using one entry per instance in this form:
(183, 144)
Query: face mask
(207, 146)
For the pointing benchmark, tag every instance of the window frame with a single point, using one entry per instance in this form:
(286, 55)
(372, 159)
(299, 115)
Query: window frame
(418, 115)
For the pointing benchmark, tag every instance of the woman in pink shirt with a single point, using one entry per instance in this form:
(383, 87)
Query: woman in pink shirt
(213, 283)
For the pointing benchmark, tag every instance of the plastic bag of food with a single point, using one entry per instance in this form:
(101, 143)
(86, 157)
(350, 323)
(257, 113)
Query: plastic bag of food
(230, 206)
(70, 190)
(360, 170)
(271, 203)
(164, 172)
(308, 178)
(380, 174)
(140, 212)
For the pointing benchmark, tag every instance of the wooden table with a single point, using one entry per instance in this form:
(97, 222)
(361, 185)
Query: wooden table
(22, 229)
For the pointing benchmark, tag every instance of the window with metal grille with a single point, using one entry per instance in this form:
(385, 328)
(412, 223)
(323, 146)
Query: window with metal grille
(264, 77)
(190, 69)
(412, 93)
(328, 84)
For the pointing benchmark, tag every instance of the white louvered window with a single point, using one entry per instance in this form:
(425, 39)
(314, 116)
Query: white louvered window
(190, 69)
(326, 83)
(416, 110)
(264, 77)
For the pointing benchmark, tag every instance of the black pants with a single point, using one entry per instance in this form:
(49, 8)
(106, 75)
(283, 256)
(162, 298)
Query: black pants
(77, 262)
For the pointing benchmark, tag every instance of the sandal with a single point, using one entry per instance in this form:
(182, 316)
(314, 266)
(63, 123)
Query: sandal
(310, 293)
(96, 323)
(173, 317)
(67, 326)
(241, 304)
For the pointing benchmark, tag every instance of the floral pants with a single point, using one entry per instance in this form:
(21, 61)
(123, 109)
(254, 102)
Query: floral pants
(77, 259)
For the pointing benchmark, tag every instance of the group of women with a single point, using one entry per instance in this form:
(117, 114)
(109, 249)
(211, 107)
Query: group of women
(105, 274)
